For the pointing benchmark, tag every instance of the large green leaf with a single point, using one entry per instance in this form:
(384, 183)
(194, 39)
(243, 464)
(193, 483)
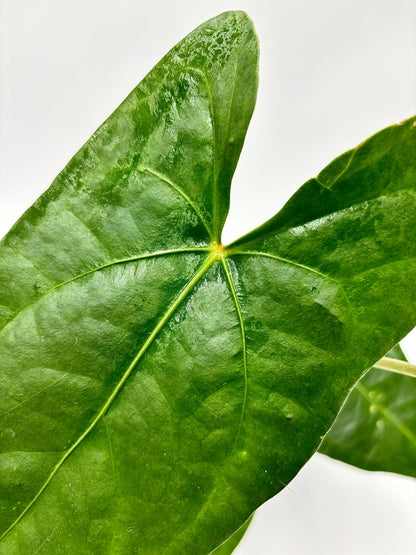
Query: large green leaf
(156, 386)
(375, 429)
(230, 545)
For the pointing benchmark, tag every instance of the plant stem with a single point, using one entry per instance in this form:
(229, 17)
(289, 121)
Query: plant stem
(398, 366)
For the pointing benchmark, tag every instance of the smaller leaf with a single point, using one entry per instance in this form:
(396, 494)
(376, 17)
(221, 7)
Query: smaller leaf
(376, 428)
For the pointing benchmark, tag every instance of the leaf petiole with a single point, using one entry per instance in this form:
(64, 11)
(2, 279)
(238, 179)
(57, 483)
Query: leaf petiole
(398, 366)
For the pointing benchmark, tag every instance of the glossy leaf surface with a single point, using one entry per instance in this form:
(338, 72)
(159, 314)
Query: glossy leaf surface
(375, 429)
(156, 386)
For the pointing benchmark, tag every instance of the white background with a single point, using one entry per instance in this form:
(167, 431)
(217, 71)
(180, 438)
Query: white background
(331, 74)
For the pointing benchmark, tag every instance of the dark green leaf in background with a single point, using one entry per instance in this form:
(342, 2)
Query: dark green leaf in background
(157, 387)
(376, 428)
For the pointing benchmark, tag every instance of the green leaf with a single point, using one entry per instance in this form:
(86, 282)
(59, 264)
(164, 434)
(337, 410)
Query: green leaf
(230, 545)
(375, 428)
(157, 387)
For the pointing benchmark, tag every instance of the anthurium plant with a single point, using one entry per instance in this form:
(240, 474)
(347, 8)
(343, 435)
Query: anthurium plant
(158, 386)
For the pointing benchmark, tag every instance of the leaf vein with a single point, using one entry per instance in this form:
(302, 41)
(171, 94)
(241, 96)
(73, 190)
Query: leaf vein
(288, 261)
(243, 338)
(177, 301)
(107, 265)
(214, 138)
(402, 428)
(41, 390)
(182, 193)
